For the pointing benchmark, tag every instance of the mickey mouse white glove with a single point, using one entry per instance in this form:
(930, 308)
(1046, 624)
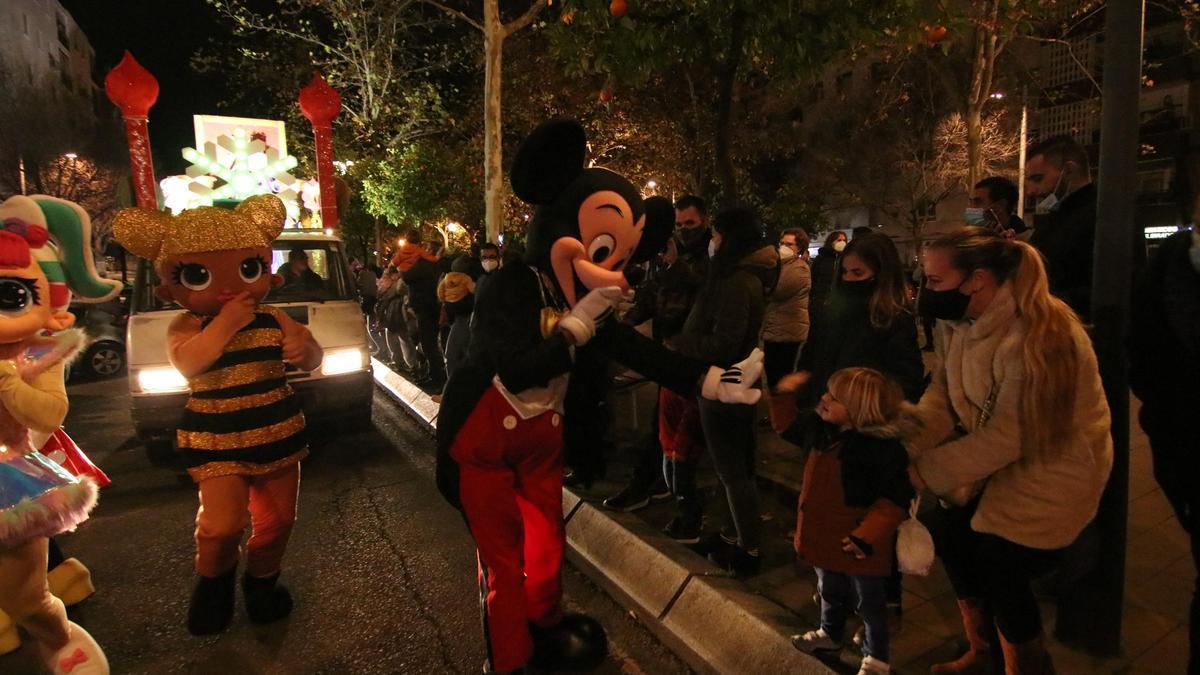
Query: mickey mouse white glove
(735, 384)
(590, 313)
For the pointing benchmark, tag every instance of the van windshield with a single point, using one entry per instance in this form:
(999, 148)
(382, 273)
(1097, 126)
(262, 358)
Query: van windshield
(312, 271)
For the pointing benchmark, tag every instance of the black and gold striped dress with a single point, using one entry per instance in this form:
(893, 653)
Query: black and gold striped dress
(242, 417)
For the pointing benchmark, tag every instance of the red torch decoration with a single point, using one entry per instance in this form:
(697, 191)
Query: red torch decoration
(134, 90)
(320, 103)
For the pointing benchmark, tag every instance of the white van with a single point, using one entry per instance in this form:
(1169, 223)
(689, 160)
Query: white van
(340, 389)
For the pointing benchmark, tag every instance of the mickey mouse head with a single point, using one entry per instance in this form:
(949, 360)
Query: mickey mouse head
(590, 223)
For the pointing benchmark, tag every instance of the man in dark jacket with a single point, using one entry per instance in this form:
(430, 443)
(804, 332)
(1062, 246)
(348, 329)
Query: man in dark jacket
(664, 298)
(1164, 356)
(994, 204)
(1058, 174)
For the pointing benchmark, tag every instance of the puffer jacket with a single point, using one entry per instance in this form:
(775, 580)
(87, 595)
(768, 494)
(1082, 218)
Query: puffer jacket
(855, 485)
(786, 319)
(1041, 504)
(724, 324)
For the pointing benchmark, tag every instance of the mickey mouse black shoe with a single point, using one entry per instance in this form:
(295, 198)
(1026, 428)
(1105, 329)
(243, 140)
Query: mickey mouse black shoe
(577, 643)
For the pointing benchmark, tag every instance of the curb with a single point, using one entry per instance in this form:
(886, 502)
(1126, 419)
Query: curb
(684, 600)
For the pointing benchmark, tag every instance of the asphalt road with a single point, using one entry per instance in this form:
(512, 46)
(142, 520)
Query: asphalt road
(381, 568)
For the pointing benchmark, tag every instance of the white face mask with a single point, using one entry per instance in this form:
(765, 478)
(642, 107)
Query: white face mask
(839, 245)
(490, 265)
(713, 247)
(786, 253)
(1051, 201)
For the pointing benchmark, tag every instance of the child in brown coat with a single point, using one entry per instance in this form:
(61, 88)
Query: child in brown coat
(856, 493)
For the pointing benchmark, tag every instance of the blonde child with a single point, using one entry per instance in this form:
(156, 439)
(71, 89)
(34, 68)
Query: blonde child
(856, 493)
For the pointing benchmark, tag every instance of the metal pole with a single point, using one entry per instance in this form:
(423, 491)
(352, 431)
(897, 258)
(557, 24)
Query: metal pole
(1021, 157)
(1089, 612)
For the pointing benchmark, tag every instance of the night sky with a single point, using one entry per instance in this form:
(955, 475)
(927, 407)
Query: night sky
(162, 35)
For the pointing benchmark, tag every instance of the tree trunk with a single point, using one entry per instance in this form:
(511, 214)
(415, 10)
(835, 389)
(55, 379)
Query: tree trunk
(974, 121)
(379, 240)
(726, 173)
(983, 64)
(493, 177)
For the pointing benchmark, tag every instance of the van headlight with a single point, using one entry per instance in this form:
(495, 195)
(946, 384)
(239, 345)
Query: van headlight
(161, 380)
(339, 361)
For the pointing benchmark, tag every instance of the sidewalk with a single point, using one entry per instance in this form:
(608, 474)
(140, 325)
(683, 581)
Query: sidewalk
(780, 599)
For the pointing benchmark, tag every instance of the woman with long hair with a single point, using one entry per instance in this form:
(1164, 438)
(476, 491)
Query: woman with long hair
(1016, 438)
(868, 323)
(724, 325)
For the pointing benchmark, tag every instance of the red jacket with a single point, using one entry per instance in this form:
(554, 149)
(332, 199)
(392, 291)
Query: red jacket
(854, 485)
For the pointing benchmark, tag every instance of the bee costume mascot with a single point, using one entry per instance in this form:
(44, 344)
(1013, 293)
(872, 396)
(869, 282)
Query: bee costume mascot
(242, 429)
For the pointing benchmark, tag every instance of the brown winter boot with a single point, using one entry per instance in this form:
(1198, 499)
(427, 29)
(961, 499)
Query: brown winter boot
(1026, 658)
(981, 635)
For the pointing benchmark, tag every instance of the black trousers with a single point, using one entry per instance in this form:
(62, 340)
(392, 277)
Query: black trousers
(779, 359)
(729, 435)
(427, 334)
(992, 569)
(1176, 454)
(648, 462)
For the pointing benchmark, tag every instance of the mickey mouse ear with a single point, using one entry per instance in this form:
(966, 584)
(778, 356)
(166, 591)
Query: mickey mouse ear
(548, 160)
(660, 223)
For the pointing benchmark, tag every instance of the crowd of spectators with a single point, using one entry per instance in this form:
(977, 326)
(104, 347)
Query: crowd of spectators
(1006, 424)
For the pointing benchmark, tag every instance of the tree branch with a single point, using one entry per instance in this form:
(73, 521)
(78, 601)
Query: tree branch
(456, 13)
(526, 18)
(1071, 53)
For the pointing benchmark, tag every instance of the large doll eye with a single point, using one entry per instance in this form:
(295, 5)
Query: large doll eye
(193, 276)
(17, 296)
(601, 247)
(251, 269)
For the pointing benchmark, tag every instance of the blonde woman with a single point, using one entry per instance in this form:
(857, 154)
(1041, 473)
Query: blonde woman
(1016, 441)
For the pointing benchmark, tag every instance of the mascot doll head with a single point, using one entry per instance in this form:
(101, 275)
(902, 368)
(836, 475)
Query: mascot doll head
(207, 256)
(45, 254)
(590, 223)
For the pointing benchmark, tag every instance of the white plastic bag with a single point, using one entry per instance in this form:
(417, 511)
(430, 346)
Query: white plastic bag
(914, 548)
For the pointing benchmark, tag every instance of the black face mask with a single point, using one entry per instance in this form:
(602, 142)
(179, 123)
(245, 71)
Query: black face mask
(862, 288)
(948, 305)
(693, 238)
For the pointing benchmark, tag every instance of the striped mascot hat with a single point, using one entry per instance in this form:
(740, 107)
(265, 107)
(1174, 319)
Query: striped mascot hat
(66, 259)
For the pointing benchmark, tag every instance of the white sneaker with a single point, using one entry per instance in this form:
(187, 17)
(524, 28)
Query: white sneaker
(873, 666)
(80, 656)
(815, 641)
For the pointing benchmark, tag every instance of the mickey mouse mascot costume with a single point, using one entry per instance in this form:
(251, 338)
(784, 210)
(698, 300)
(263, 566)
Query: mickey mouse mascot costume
(500, 431)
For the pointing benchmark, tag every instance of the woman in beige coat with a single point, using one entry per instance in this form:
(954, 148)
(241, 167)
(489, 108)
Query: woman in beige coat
(1016, 442)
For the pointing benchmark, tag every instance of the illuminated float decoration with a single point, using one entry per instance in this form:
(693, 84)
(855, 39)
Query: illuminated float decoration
(237, 158)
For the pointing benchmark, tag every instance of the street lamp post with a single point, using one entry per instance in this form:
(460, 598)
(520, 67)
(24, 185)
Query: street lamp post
(1024, 141)
(1021, 154)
